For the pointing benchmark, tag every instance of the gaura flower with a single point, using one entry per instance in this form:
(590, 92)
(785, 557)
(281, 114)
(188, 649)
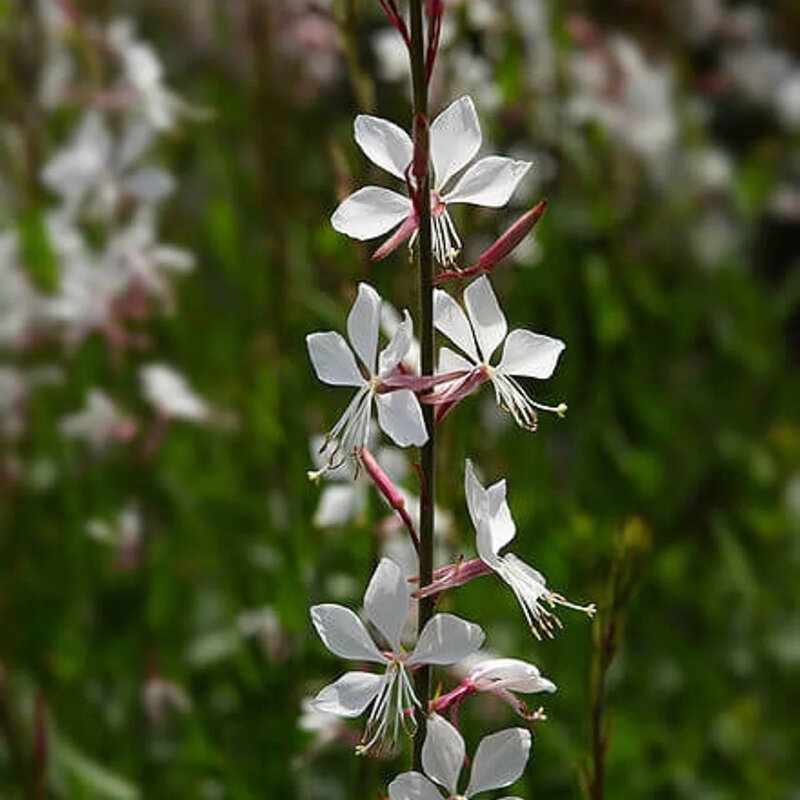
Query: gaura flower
(455, 138)
(399, 413)
(495, 528)
(502, 677)
(525, 354)
(499, 761)
(445, 639)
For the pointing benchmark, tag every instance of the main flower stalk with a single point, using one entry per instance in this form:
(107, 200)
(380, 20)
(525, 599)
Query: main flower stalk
(424, 258)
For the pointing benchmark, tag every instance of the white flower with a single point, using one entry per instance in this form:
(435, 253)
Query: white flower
(399, 413)
(499, 761)
(525, 354)
(445, 639)
(495, 528)
(99, 423)
(503, 677)
(171, 395)
(455, 138)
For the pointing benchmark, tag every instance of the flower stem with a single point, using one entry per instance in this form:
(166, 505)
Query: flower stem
(425, 267)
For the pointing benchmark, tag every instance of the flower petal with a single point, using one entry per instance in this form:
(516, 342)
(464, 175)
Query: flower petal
(400, 417)
(362, 325)
(487, 317)
(350, 695)
(530, 355)
(450, 361)
(499, 760)
(446, 639)
(398, 347)
(344, 634)
(450, 319)
(386, 601)
(384, 143)
(413, 786)
(333, 360)
(489, 182)
(455, 139)
(443, 753)
(501, 524)
(339, 504)
(477, 502)
(370, 212)
(511, 674)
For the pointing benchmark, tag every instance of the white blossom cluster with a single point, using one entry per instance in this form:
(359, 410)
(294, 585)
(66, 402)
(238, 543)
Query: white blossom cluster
(387, 394)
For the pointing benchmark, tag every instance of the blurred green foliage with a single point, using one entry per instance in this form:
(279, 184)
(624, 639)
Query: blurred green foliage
(683, 392)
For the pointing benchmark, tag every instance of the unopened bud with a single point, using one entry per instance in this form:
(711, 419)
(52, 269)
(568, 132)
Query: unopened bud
(508, 241)
(561, 410)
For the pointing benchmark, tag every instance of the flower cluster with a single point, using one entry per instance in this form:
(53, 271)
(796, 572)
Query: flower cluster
(437, 168)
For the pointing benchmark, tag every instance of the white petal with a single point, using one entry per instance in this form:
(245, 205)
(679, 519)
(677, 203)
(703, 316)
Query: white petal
(499, 760)
(400, 417)
(490, 182)
(338, 505)
(384, 143)
(501, 524)
(487, 317)
(362, 325)
(449, 318)
(370, 211)
(537, 581)
(413, 786)
(511, 674)
(333, 360)
(443, 753)
(455, 139)
(530, 355)
(344, 634)
(350, 695)
(452, 362)
(446, 639)
(477, 501)
(386, 601)
(398, 347)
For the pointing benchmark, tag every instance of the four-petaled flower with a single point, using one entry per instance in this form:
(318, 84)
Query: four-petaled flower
(455, 138)
(399, 413)
(525, 354)
(495, 528)
(499, 761)
(445, 639)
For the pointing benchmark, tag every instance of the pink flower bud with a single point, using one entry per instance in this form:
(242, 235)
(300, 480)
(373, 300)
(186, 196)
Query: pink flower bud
(509, 240)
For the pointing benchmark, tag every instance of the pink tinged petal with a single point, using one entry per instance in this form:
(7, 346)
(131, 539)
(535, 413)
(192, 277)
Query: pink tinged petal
(333, 360)
(384, 143)
(443, 753)
(398, 346)
(413, 786)
(386, 601)
(370, 212)
(397, 238)
(350, 695)
(488, 320)
(530, 355)
(363, 323)
(344, 634)
(446, 639)
(499, 760)
(455, 140)
(490, 182)
(449, 318)
(400, 418)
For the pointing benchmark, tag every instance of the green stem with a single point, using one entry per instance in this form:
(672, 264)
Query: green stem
(424, 258)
